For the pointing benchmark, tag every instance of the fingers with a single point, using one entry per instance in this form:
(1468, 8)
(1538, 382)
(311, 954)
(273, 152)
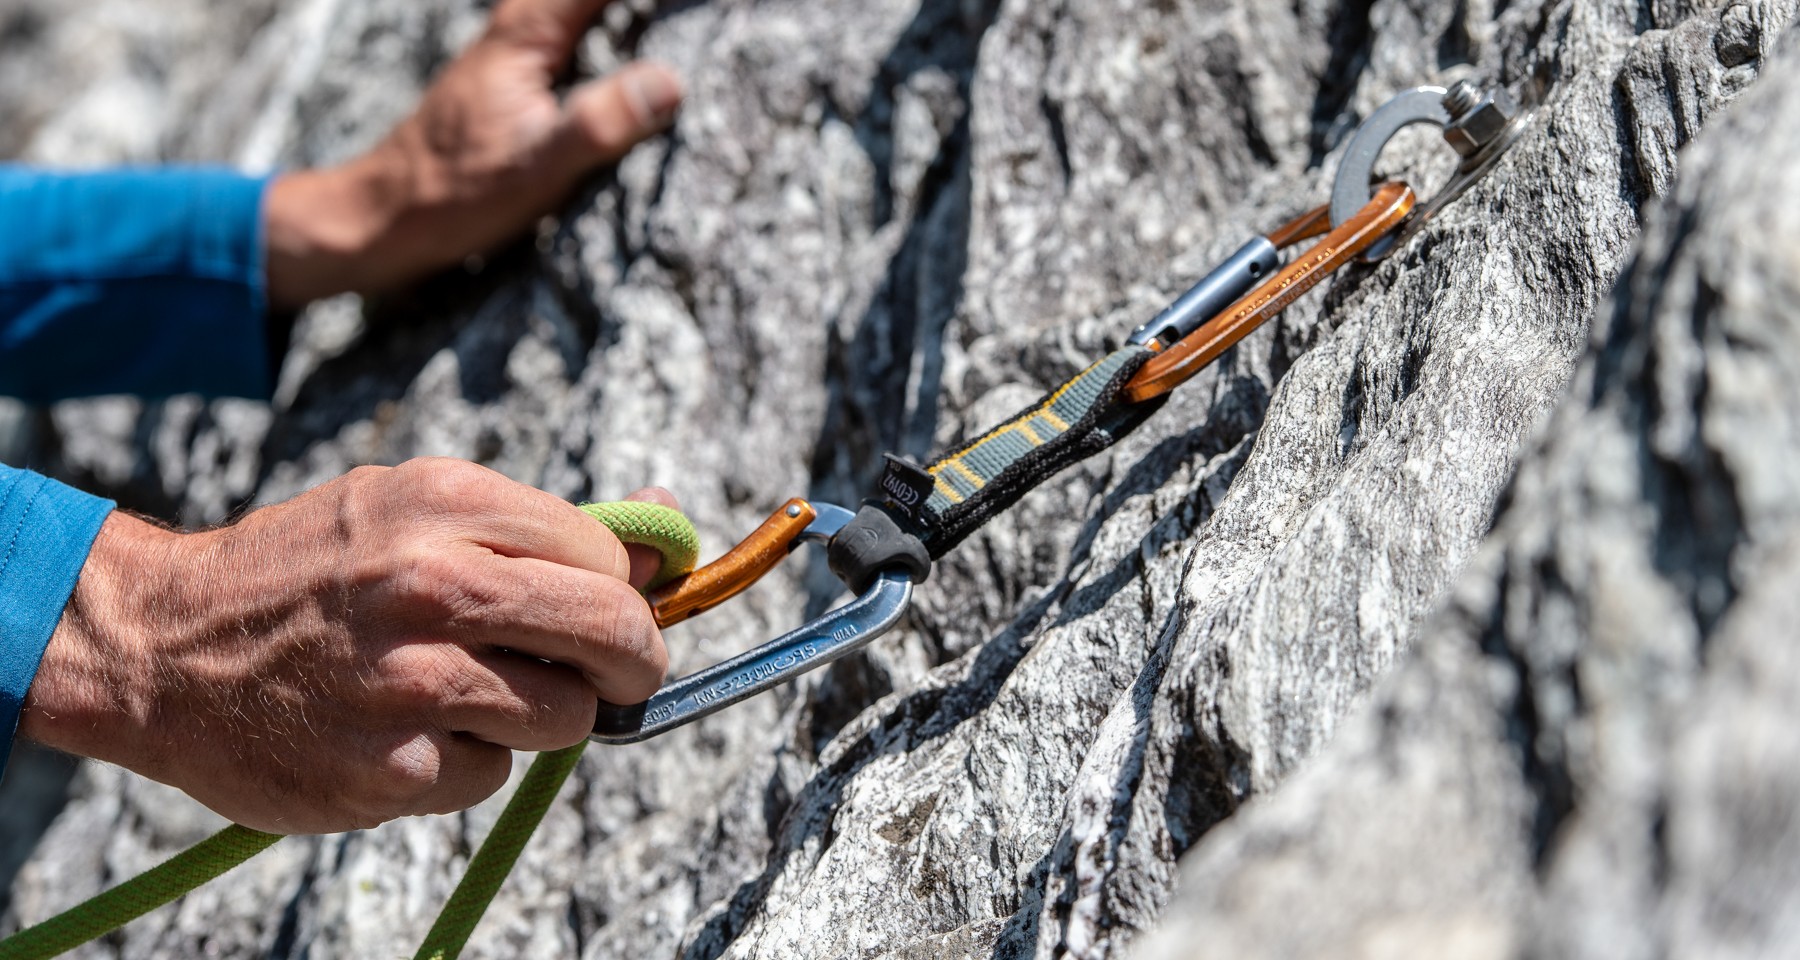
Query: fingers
(535, 525)
(597, 625)
(604, 118)
(646, 561)
(551, 25)
(509, 518)
(549, 582)
(502, 698)
(516, 520)
(432, 773)
(527, 704)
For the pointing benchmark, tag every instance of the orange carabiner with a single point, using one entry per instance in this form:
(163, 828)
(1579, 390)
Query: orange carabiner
(794, 523)
(1173, 366)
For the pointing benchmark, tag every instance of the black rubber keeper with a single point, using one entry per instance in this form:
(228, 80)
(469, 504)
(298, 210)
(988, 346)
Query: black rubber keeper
(874, 542)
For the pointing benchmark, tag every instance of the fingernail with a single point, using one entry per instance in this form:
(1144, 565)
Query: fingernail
(656, 93)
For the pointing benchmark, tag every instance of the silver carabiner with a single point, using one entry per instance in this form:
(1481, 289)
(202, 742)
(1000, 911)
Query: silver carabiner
(1211, 294)
(836, 634)
(1481, 128)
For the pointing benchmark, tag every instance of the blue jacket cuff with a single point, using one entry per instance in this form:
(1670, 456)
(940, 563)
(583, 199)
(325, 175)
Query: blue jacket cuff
(46, 530)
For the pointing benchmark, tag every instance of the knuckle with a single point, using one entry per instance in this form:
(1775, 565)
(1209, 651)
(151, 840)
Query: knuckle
(557, 719)
(445, 483)
(481, 770)
(447, 589)
(493, 766)
(563, 716)
(359, 498)
(428, 684)
(403, 777)
(574, 723)
(629, 626)
(367, 475)
(631, 654)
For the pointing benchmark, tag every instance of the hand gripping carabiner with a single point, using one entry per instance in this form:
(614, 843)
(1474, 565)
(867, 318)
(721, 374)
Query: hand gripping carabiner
(840, 632)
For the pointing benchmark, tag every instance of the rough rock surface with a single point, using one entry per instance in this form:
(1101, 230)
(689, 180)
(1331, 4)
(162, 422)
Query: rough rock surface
(1591, 752)
(882, 226)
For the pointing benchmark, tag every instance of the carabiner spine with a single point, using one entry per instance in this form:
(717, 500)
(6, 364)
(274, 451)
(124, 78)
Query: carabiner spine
(834, 635)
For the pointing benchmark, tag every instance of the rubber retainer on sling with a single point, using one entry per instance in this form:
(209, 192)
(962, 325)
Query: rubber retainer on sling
(874, 542)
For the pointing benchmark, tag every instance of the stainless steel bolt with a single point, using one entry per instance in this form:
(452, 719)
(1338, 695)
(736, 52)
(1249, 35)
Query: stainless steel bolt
(1475, 125)
(1460, 99)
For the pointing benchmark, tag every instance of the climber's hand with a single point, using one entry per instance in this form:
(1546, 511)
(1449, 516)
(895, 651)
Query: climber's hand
(367, 650)
(490, 150)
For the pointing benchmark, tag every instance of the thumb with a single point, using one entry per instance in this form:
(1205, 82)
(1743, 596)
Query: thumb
(604, 118)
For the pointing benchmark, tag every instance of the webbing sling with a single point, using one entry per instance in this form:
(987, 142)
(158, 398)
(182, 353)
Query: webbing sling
(648, 524)
(939, 505)
(965, 487)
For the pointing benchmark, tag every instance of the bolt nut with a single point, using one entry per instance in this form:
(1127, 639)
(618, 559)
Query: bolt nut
(1482, 124)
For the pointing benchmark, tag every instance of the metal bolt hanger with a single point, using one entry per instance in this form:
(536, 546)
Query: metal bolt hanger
(1479, 126)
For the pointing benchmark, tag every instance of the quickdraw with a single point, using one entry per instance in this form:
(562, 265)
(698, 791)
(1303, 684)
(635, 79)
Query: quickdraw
(920, 512)
(882, 550)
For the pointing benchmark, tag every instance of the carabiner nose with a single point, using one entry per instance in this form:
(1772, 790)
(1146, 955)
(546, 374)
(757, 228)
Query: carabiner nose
(840, 632)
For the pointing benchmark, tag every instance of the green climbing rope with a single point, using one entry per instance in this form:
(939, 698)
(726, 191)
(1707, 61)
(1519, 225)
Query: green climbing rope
(141, 894)
(498, 852)
(647, 524)
(652, 525)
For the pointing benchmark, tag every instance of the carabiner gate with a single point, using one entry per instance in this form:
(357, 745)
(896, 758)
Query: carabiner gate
(838, 633)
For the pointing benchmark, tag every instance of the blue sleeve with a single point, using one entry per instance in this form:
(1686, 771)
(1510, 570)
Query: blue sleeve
(147, 282)
(45, 532)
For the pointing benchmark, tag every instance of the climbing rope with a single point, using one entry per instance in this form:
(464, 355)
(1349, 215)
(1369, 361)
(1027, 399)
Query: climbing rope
(652, 525)
(499, 851)
(647, 524)
(141, 894)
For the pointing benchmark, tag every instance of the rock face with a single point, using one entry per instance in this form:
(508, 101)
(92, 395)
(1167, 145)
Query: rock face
(1590, 752)
(886, 226)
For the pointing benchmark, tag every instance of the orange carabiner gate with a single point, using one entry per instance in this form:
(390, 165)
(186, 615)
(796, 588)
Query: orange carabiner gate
(1173, 366)
(795, 522)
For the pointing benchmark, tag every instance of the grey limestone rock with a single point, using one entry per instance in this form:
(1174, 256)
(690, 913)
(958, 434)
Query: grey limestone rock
(888, 225)
(1590, 752)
